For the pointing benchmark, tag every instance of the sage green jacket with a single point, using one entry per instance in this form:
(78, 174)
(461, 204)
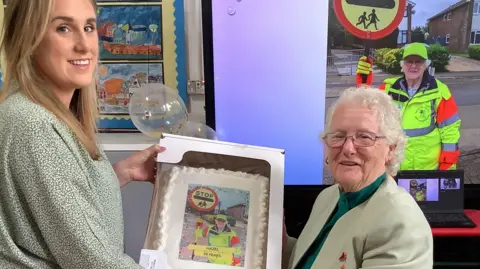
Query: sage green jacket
(58, 207)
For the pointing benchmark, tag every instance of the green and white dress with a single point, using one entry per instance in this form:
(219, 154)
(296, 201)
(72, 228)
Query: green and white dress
(59, 208)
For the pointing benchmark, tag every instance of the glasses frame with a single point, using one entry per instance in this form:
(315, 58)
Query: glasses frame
(374, 140)
(416, 63)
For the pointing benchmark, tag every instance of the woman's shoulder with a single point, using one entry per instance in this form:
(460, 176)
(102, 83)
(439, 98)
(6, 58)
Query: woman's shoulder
(327, 196)
(20, 114)
(396, 201)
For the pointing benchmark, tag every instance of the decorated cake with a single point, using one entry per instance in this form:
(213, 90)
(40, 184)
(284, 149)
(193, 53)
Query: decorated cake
(203, 218)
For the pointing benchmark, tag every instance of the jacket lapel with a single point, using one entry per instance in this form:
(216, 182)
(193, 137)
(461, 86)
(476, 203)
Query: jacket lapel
(315, 224)
(340, 238)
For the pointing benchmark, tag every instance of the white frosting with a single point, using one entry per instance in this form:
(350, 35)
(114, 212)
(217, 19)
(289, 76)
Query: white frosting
(162, 221)
(257, 224)
(260, 242)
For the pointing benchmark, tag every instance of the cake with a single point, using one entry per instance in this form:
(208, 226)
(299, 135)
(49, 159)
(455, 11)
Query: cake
(208, 217)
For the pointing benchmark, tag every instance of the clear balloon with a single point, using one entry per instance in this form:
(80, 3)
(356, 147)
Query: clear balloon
(198, 130)
(155, 109)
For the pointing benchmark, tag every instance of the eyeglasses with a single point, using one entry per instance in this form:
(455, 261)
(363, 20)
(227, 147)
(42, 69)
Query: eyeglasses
(360, 139)
(417, 63)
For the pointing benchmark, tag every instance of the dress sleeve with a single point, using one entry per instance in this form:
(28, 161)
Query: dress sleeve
(56, 193)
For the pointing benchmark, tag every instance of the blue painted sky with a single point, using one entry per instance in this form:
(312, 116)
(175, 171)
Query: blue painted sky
(426, 8)
(135, 15)
(125, 71)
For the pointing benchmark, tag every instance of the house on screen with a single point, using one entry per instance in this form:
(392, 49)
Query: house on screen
(452, 27)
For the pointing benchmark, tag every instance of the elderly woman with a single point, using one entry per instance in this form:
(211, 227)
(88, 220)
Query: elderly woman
(365, 220)
(60, 199)
(430, 114)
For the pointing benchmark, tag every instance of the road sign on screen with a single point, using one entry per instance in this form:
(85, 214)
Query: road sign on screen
(370, 19)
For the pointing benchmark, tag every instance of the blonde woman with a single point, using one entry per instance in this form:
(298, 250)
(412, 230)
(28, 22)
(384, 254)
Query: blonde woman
(60, 200)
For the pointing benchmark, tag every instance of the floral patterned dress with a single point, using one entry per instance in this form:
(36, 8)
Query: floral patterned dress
(58, 207)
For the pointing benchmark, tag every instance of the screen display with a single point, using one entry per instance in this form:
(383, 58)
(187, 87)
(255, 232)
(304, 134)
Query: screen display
(421, 189)
(434, 194)
(278, 67)
(270, 63)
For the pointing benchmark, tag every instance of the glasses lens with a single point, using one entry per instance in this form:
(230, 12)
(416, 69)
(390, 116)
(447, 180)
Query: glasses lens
(359, 139)
(417, 63)
(364, 139)
(335, 140)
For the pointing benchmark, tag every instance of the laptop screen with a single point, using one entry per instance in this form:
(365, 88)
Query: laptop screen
(434, 191)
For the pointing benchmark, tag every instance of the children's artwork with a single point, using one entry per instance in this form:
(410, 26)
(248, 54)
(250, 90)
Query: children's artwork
(118, 81)
(215, 225)
(130, 32)
(139, 32)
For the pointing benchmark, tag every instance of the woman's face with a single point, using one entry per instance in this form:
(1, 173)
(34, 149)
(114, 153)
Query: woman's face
(67, 55)
(350, 164)
(414, 67)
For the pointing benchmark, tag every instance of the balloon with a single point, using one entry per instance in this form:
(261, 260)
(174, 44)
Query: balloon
(155, 109)
(198, 130)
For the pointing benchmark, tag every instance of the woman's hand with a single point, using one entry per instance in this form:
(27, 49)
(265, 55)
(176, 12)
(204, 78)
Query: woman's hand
(141, 166)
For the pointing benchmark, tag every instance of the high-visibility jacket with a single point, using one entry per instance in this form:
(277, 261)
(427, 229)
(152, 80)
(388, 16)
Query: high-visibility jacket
(226, 238)
(430, 121)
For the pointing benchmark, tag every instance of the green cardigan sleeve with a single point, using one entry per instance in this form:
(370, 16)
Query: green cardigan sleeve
(57, 192)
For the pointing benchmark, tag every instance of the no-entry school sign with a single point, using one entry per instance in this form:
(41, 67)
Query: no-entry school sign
(370, 19)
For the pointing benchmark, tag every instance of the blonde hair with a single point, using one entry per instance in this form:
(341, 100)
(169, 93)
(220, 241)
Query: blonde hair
(18, 47)
(388, 115)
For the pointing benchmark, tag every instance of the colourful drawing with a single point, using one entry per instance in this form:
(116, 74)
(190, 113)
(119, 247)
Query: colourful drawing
(130, 32)
(118, 81)
(215, 225)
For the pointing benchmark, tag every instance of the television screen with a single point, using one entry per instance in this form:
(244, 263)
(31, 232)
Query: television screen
(269, 70)
(276, 69)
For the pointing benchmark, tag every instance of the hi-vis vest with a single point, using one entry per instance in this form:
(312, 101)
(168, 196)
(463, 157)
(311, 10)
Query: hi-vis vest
(420, 122)
(222, 239)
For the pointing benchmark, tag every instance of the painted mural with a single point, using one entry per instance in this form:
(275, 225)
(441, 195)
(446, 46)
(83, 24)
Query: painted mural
(130, 32)
(118, 81)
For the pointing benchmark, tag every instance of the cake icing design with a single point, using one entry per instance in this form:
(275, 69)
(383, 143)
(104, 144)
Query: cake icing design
(212, 216)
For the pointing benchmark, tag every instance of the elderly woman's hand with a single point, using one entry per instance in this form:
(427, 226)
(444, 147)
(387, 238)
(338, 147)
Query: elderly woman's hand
(141, 166)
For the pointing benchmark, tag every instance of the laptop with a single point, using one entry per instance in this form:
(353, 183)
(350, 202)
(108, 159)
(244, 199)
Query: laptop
(439, 194)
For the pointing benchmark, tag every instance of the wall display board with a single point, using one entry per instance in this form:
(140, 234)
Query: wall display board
(140, 43)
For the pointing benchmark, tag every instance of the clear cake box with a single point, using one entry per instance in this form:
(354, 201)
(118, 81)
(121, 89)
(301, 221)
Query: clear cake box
(215, 205)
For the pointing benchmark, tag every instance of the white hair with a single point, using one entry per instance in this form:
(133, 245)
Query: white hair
(388, 114)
